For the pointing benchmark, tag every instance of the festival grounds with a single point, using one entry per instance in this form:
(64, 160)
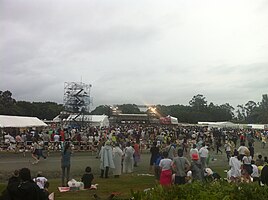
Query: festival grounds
(50, 168)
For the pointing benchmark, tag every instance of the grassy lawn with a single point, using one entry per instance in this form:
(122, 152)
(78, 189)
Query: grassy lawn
(122, 186)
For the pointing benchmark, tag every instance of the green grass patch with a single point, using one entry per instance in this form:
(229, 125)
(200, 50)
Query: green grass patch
(122, 186)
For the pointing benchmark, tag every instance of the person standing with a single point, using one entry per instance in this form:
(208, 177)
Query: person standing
(218, 145)
(106, 159)
(170, 149)
(241, 150)
(40, 146)
(34, 151)
(65, 163)
(137, 154)
(154, 150)
(196, 168)
(251, 149)
(203, 153)
(228, 147)
(166, 170)
(117, 156)
(128, 162)
(193, 150)
(180, 165)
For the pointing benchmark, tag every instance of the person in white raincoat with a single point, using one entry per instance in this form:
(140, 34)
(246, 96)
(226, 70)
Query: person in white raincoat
(128, 162)
(235, 168)
(106, 158)
(117, 155)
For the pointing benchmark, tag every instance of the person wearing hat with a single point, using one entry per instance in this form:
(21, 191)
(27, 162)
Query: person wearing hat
(196, 168)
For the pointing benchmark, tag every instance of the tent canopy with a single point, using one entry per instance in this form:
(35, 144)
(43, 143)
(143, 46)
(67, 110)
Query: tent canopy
(95, 120)
(219, 124)
(20, 122)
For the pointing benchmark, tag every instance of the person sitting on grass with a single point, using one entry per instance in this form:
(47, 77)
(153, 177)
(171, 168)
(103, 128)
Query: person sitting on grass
(87, 178)
(40, 180)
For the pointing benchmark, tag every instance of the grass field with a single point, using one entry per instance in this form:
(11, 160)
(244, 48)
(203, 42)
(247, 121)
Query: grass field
(127, 182)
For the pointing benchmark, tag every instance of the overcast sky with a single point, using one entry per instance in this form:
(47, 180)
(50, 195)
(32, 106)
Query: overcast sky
(155, 52)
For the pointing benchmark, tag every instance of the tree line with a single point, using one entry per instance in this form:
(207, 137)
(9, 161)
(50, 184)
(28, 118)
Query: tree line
(197, 110)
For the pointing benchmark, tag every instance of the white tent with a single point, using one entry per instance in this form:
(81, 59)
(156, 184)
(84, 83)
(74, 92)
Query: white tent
(173, 120)
(257, 126)
(20, 122)
(94, 120)
(219, 124)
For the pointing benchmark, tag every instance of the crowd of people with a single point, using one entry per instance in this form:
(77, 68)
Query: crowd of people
(179, 154)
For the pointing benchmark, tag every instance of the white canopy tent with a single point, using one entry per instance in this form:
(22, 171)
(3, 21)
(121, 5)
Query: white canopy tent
(173, 120)
(219, 124)
(258, 126)
(94, 120)
(7, 121)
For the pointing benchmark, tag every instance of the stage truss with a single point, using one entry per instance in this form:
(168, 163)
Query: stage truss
(77, 99)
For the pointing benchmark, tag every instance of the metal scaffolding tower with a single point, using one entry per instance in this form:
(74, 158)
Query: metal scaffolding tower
(77, 99)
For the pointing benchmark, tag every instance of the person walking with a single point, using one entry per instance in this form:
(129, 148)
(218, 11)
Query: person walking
(65, 163)
(218, 145)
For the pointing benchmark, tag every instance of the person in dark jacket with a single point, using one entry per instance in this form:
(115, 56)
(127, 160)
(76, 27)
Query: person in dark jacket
(87, 178)
(25, 189)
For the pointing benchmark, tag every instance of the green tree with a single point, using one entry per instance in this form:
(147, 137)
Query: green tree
(7, 103)
(129, 109)
(102, 110)
(198, 102)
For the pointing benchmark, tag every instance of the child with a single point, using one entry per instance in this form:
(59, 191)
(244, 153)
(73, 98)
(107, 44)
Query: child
(87, 178)
(40, 180)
